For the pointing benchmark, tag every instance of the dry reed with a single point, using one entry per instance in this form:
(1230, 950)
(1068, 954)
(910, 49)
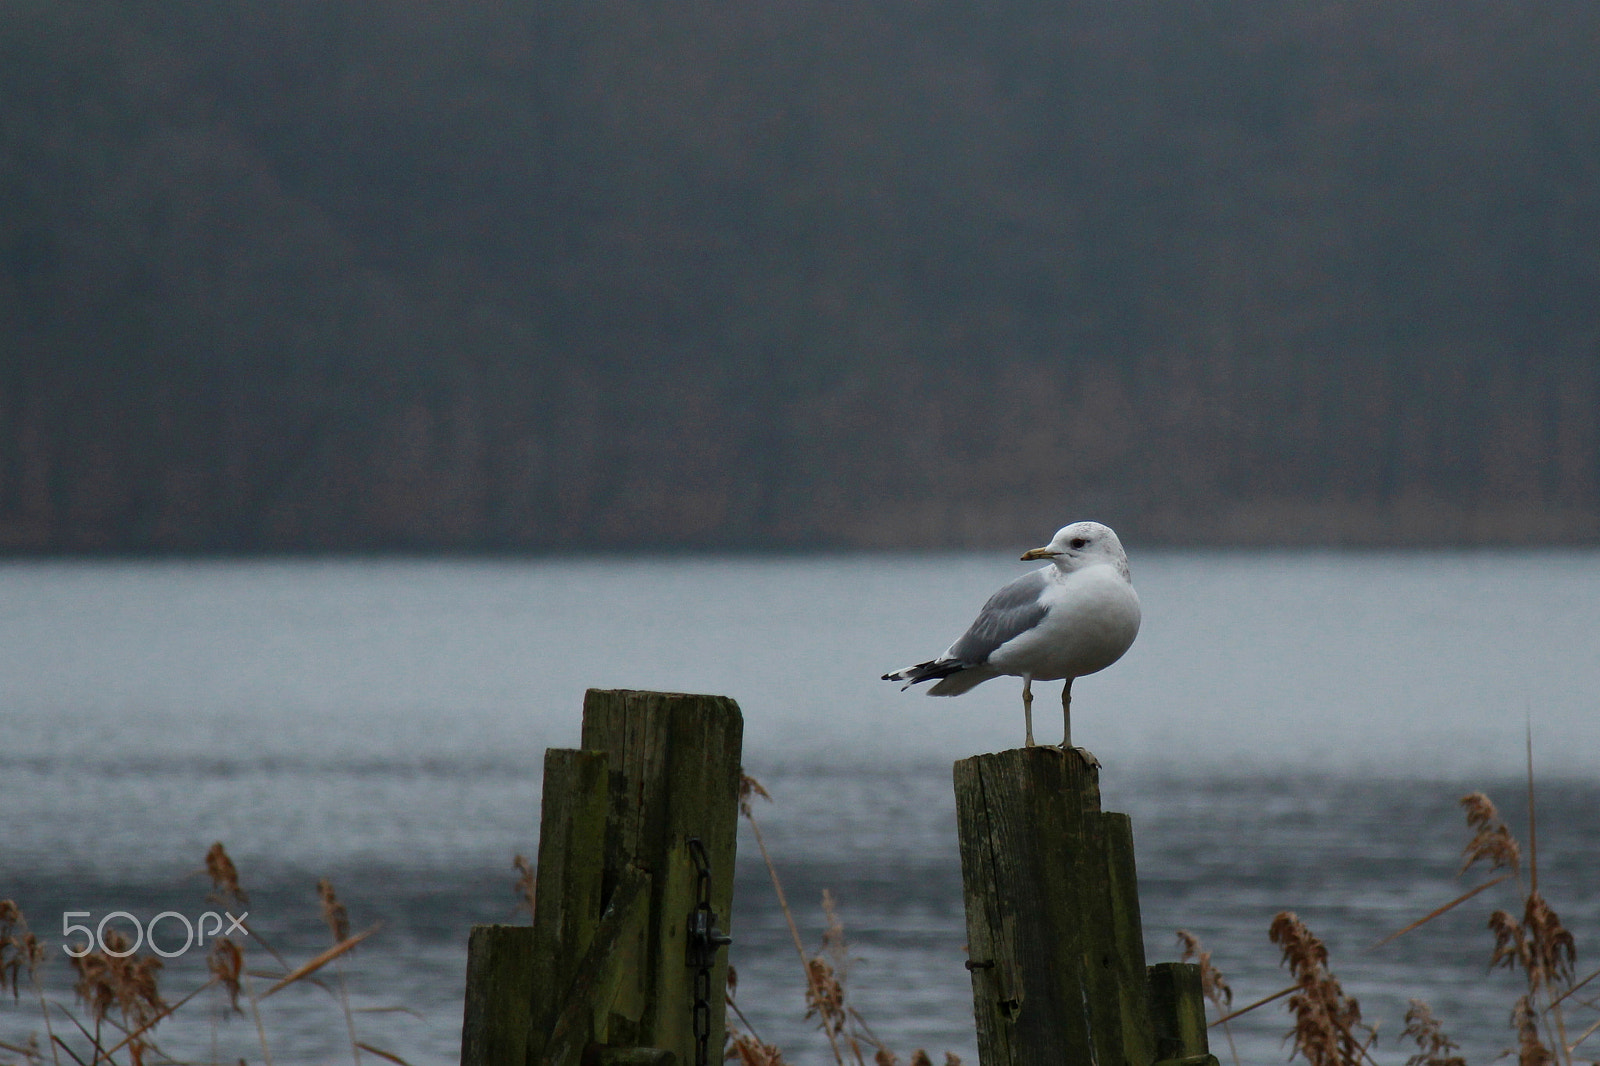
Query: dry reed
(743, 1045)
(1531, 1050)
(1433, 1046)
(226, 965)
(1212, 985)
(1491, 840)
(527, 883)
(1328, 1029)
(337, 919)
(124, 1003)
(334, 914)
(826, 973)
(225, 888)
(20, 949)
(120, 993)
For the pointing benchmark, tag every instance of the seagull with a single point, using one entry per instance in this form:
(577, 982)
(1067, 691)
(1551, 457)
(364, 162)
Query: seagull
(1073, 616)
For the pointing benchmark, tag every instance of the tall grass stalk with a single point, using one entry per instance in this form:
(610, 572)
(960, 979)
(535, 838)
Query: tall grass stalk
(120, 993)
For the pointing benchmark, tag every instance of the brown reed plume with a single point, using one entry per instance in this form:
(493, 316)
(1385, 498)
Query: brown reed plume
(749, 788)
(747, 1050)
(743, 1045)
(1212, 985)
(825, 994)
(19, 948)
(121, 991)
(116, 977)
(1491, 841)
(225, 887)
(1537, 944)
(1433, 1046)
(826, 998)
(226, 965)
(1531, 1049)
(1326, 1021)
(825, 974)
(337, 919)
(334, 915)
(526, 884)
(228, 971)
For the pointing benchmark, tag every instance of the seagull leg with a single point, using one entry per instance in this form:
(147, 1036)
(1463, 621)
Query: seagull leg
(1066, 722)
(1066, 716)
(1027, 707)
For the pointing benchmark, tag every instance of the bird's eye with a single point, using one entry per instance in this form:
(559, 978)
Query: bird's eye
(1078, 542)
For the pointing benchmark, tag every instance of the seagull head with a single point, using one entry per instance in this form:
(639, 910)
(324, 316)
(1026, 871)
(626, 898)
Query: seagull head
(1082, 544)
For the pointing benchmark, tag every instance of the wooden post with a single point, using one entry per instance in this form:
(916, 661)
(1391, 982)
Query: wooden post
(1178, 1012)
(675, 775)
(568, 898)
(1126, 940)
(603, 976)
(1053, 931)
(495, 1026)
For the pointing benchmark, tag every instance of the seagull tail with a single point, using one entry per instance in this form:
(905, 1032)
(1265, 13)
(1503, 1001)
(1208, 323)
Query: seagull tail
(953, 675)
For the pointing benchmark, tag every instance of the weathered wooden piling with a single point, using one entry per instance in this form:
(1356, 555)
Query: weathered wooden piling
(1054, 938)
(495, 1022)
(605, 970)
(1178, 1009)
(621, 966)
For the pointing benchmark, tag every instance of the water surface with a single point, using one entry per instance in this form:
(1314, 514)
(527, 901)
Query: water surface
(1291, 731)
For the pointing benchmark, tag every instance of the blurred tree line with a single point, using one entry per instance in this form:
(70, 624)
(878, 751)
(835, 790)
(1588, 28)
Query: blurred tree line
(579, 274)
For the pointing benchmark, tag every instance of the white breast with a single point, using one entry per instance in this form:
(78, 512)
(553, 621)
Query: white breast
(1093, 618)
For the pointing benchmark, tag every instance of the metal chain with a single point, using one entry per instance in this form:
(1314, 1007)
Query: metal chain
(702, 941)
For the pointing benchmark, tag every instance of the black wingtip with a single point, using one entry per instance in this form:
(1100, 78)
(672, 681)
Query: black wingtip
(932, 670)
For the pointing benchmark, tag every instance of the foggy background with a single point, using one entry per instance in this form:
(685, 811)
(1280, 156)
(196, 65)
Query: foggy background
(402, 275)
(586, 282)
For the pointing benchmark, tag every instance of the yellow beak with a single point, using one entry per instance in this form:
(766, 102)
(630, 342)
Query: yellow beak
(1038, 553)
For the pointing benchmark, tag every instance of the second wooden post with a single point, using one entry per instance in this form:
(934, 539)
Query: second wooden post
(1053, 933)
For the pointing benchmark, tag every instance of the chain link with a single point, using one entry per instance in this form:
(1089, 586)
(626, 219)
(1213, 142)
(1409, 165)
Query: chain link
(702, 941)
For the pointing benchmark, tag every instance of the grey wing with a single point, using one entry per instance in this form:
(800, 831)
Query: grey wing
(1009, 613)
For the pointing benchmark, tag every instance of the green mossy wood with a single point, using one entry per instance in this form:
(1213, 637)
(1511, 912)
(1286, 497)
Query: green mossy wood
(1054, 935)
(606, 976)
(495, 1023)
(675, 775)
(569, 903)
(1054, 939)
(1178, 1008)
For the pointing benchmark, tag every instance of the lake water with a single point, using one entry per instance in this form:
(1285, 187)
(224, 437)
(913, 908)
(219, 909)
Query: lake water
(1291, 731)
